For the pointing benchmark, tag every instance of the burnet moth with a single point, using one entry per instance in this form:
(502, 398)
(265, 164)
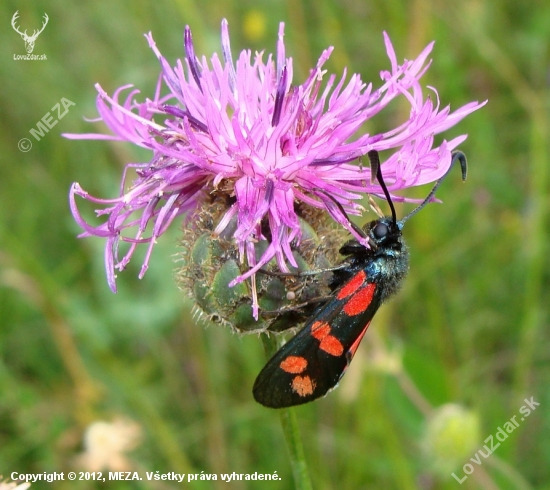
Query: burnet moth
(312, 363)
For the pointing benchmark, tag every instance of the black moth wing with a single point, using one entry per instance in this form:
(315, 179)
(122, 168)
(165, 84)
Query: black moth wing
(314, 360)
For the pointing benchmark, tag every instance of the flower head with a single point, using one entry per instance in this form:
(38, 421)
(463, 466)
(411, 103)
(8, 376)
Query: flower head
(106, 444)
(451, 434)
(7, 485)
(247, 130)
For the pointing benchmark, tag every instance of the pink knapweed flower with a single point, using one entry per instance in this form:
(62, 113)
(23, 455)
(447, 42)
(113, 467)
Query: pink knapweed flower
(248, 126)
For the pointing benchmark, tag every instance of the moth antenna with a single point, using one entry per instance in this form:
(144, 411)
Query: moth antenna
(375, 166)
(457, 156)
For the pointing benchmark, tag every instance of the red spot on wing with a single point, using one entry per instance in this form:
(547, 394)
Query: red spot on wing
(320, 330)
(303, 385)
(293, 364)
(352, 285)
(360, 300)
(331, 345)
(355, 345)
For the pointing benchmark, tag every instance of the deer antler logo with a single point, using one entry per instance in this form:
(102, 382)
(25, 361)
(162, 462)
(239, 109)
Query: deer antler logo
(29, 40)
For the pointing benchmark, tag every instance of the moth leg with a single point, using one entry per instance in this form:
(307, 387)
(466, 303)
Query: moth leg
(312, 272)
(298, 307)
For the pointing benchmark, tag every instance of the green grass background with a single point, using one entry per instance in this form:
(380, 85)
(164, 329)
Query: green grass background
(472, 319)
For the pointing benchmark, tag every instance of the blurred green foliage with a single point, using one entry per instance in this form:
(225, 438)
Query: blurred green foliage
(471, 322)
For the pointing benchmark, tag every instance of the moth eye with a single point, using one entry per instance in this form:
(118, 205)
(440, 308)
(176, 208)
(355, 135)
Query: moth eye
(380, 231)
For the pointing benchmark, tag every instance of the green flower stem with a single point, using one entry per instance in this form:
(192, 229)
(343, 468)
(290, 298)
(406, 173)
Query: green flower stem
(289, 422)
